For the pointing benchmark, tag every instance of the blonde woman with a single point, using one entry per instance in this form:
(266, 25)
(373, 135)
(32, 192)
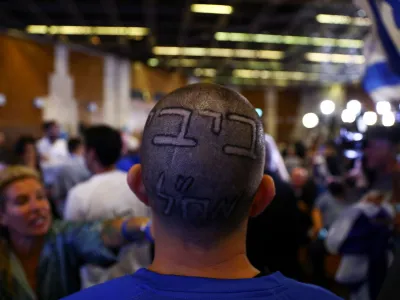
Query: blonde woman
(39, 258)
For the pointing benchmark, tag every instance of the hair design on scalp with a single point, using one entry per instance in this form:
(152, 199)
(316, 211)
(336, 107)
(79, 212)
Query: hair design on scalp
(203, 155)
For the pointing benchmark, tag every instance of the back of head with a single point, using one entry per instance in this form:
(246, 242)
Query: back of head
(203, 154)
(106, 143)
(337, 189)
(74, 144)
(21, 143)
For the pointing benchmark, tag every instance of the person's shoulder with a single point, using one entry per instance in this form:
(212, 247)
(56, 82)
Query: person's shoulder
(300, 291)
(122, 288)
(79, 188)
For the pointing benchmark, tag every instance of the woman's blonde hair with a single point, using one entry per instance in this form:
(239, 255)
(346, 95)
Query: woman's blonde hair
(8, 176)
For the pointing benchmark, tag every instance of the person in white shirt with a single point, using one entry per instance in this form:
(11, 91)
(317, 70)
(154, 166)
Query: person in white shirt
(106, 195)
(53, 151)
(73, 172)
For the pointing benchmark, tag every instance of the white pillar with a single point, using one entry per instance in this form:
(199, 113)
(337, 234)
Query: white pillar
(123, 87)
(271, 112)
(109, 91)
(60, 102)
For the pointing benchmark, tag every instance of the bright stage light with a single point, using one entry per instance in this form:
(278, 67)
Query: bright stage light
(370, 118)
(327, 107)
(310, 120)
(348, 116)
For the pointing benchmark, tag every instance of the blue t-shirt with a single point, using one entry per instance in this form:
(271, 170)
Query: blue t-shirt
(147, 285)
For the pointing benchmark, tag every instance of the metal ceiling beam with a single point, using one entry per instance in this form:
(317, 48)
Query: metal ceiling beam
(219, 25)
(42, 17)
(112, 11)
(73, 10)
(6, 15)
(149, 7)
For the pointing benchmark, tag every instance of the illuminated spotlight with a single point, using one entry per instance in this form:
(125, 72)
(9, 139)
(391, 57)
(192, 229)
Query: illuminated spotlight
(287, 39)
(153, 62)
(39, 102)
(335, 58)
(383, 107)
(212, 9)
(3, 100)
(361, 126)
(343, 20)
(348, 116)
(351, 154)
(87, 30)
(354, 106)
(95, 40)
(357, 136)
(310, 120)
(370, 118)
(327, 107)
(388, 119)
(205, 72)
(92, 107)
(218, 52)
(259, 112)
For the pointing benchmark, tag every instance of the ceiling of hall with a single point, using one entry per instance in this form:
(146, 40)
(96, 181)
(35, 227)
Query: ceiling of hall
(261, 42)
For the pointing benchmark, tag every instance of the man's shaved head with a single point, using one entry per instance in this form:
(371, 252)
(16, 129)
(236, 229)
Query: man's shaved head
(202, 159)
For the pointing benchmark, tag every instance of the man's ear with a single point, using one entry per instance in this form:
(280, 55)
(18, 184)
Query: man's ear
(264, 196)
(136, 185)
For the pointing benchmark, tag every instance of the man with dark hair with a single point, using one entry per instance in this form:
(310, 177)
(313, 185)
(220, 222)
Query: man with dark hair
(203, 155)
(73, 172)
(106, 195)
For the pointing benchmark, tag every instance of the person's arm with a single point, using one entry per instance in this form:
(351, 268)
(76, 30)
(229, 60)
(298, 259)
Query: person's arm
(95, 243)
(317, 221)
(135, 230)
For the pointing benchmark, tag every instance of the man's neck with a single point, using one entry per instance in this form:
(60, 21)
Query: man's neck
(227, 260)
(101, 169)
(52, 140)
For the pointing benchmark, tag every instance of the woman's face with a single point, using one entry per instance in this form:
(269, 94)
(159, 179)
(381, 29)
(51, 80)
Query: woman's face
(29, 152)
(26, 211)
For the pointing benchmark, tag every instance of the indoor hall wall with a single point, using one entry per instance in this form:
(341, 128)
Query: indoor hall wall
(87, 72)
(25, 68)
(289, 101)
(285, 112)
(153, 80)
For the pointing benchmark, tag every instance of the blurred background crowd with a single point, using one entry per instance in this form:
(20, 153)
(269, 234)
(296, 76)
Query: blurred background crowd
(323, 76)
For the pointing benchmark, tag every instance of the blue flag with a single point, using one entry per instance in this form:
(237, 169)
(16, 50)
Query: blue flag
(382, 49)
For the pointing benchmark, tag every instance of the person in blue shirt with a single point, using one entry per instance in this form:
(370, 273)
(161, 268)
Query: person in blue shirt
(201, 173)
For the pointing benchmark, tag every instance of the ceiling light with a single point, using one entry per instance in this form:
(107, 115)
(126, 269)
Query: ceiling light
(383, 107)
(3, 100)
(87, 30)
(153, 62)
(205, 72)
(288, 40)
(343, 20)
(354, 106)
(327, 107)
(310, 120)
(335, 58)
(211, 9)
(277, 75)
(218, 52)
(388, 119)
(183, 62)
(348, 116)
(370, 118)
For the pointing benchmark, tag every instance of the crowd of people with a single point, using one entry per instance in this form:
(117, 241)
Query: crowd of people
(210, 207)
